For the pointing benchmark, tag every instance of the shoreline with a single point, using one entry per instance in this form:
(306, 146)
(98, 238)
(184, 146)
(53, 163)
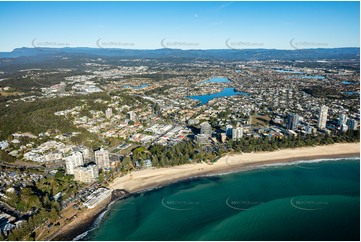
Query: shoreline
(85, 220)
(145, 179)
(241, 168)
(149, 179)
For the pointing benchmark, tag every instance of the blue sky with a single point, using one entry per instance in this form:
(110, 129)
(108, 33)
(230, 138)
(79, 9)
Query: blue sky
(185, 25)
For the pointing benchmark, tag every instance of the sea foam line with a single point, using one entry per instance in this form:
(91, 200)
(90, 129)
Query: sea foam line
(94, 225)
(261, 166)
(253, 167)
(278, 164)
(305, 162)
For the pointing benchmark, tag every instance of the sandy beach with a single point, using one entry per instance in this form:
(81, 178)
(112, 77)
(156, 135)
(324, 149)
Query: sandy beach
(144, 179)
(80, 224)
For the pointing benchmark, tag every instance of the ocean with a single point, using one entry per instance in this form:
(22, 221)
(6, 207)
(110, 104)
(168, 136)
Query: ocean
(300, 201)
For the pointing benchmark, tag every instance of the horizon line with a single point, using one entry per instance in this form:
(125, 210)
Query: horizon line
(140, 49)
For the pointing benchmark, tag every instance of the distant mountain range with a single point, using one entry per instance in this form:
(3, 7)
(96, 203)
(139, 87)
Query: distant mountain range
(214, 54)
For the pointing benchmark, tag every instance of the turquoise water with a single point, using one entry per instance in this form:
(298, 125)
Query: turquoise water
(313, 77)
(289, 71)
(216, 80)
(136, 87)
(226, 92)
(348, 83)
(306, 201)
(351, 93)
(306, 77)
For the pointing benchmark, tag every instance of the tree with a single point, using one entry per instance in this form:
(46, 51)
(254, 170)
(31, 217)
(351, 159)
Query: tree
(53, 215)
(155, 161)
(6, 157)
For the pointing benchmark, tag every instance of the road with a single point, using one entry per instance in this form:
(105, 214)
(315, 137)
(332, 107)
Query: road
(25, 165)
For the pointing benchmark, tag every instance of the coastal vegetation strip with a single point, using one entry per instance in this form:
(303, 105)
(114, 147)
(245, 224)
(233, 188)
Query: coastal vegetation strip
(147, 179)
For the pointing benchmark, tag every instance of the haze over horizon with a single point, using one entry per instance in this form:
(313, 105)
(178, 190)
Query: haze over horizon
(195, 49)
(180, 25)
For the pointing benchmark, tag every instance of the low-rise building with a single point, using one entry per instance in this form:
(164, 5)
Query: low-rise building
(352, 124)
(344, 128)
(97, 197)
